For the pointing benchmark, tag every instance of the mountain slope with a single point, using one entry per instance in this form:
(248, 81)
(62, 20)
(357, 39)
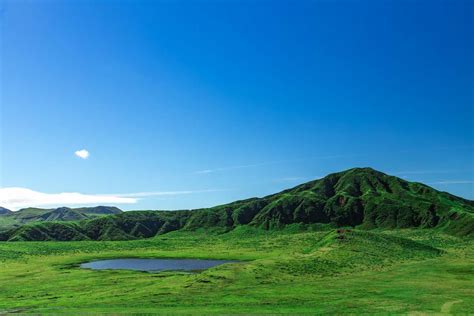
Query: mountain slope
(4, 211)
(360, 196)
(357, 197)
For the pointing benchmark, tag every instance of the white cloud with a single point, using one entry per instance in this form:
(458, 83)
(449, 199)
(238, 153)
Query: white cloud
(15, 198)
(164, 193)
(83, 153)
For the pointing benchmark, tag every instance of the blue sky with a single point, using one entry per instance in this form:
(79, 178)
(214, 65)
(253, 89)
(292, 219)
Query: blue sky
(187, 104)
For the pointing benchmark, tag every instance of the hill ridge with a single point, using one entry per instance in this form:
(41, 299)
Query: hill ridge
(5, 211)
(31, 214)
(358, 197)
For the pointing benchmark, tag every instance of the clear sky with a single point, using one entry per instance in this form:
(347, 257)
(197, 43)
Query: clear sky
(187, 104)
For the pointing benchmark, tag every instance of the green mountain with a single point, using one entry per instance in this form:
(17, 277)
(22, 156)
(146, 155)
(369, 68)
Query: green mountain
(63, 214)
(360, 197)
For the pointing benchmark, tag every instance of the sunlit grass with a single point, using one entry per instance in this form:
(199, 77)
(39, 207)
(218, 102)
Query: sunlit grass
(280, 272)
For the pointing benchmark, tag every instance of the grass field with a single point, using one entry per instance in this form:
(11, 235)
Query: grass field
(287, 271)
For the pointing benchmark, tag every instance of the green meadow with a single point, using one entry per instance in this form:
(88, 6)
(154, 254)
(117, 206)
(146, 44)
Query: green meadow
(292, 270)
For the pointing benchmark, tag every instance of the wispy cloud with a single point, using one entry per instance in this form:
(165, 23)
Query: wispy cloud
(414, 172)
(337, 156)
(453, 182)
(290, 179)
(253, 165)
(15, 198)
(232, 168)
(297, 179)
(165, 193)
(83, 153)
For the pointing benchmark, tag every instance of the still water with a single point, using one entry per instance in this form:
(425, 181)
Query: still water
(154, 265)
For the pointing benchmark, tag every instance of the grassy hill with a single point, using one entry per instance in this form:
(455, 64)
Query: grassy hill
(360, 197)
(4, 211)
(357, 241)
(9, 220)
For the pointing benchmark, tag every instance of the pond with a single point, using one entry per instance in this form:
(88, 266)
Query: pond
(154, 265)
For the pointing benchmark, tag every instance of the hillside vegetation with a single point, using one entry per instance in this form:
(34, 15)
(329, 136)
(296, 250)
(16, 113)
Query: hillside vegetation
(360, 197)
(9, 219)
(335, 271)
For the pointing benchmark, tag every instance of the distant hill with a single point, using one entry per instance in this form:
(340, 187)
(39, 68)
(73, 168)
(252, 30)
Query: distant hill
(4, 211)
(361, 197)
(30, 215)
(99, 210)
